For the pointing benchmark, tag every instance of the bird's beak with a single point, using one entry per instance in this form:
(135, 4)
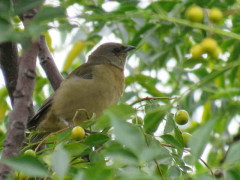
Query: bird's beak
(129, 48)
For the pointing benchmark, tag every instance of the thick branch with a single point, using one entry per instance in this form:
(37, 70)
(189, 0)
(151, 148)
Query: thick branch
(22, 102)
(9, 66)
(48, 64)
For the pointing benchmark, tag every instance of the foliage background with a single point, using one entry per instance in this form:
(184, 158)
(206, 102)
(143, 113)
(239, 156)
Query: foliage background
(160, 67)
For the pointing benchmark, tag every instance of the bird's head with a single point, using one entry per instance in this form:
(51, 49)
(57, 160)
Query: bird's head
(111, 53)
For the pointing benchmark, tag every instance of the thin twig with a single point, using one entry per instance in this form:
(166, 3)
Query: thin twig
(152, 98)
(41, 143)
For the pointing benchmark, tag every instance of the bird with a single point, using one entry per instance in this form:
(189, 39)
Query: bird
(88, 90)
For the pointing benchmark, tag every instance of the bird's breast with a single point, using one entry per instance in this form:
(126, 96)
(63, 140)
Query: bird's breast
(89, 95)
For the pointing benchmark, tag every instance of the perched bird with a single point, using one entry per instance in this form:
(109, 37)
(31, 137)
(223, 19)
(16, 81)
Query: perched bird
(88, 90)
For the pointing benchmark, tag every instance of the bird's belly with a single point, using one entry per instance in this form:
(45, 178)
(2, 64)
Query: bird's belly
(77, 103)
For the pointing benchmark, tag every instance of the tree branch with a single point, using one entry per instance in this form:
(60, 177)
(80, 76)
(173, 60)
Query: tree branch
(22, 102)
(48, 64)
(9, 66)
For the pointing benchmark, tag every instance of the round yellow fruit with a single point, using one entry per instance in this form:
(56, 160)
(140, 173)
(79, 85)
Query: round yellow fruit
(137, 120)
(186, 137)
(215, 15)
(209, 45)
(78, 133)
(30, 152)
(181, 117)
(194, 14)
(196, 51)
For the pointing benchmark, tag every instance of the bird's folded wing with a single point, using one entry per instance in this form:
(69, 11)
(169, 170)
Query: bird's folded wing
(85, 71)
(34, 121)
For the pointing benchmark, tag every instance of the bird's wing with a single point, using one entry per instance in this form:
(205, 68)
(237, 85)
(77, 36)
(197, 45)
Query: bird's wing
(85, 71)
(34, 121)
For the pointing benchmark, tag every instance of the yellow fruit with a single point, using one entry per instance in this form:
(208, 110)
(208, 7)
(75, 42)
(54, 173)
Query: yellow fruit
(196, 51)
(181, 117)
(209, 45)
(215, 15)
(186, 137)
(137, 120)
(20, 176)
(30, 152)
(78, 133)
(194, 14)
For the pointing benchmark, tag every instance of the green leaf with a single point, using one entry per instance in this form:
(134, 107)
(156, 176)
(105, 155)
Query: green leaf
(170, 124)
(128, 135)
(154, 150)
(233, 155)
(154, 118)
(25, 5)
(75, 149)
(200, 138)
(29, 165)
(174, 172)
(60, 161)
(171, 140)
(48, 13)
(96, 139)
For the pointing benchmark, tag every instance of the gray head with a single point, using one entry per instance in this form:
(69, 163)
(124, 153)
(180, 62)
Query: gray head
(111, 53)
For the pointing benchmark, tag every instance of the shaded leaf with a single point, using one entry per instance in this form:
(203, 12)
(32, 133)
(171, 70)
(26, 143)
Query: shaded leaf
(29, 165)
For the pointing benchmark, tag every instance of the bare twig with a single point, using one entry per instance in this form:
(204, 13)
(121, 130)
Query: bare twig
(42, 142)
(151, 98)
(22, 101)
(9, 66)
(48, 64)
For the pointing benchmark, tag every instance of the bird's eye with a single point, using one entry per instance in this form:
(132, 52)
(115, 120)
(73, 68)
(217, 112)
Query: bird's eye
(117, 50)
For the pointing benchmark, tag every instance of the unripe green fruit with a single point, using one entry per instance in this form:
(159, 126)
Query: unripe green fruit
(197, 51)
(215, 15)
(137, 120)
(194, 14)
(30, 152)
(78, 133)
(16, 19)
(186, 137)
(181, 117)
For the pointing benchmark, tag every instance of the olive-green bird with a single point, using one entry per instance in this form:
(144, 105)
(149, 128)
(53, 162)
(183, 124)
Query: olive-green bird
(88, 90)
